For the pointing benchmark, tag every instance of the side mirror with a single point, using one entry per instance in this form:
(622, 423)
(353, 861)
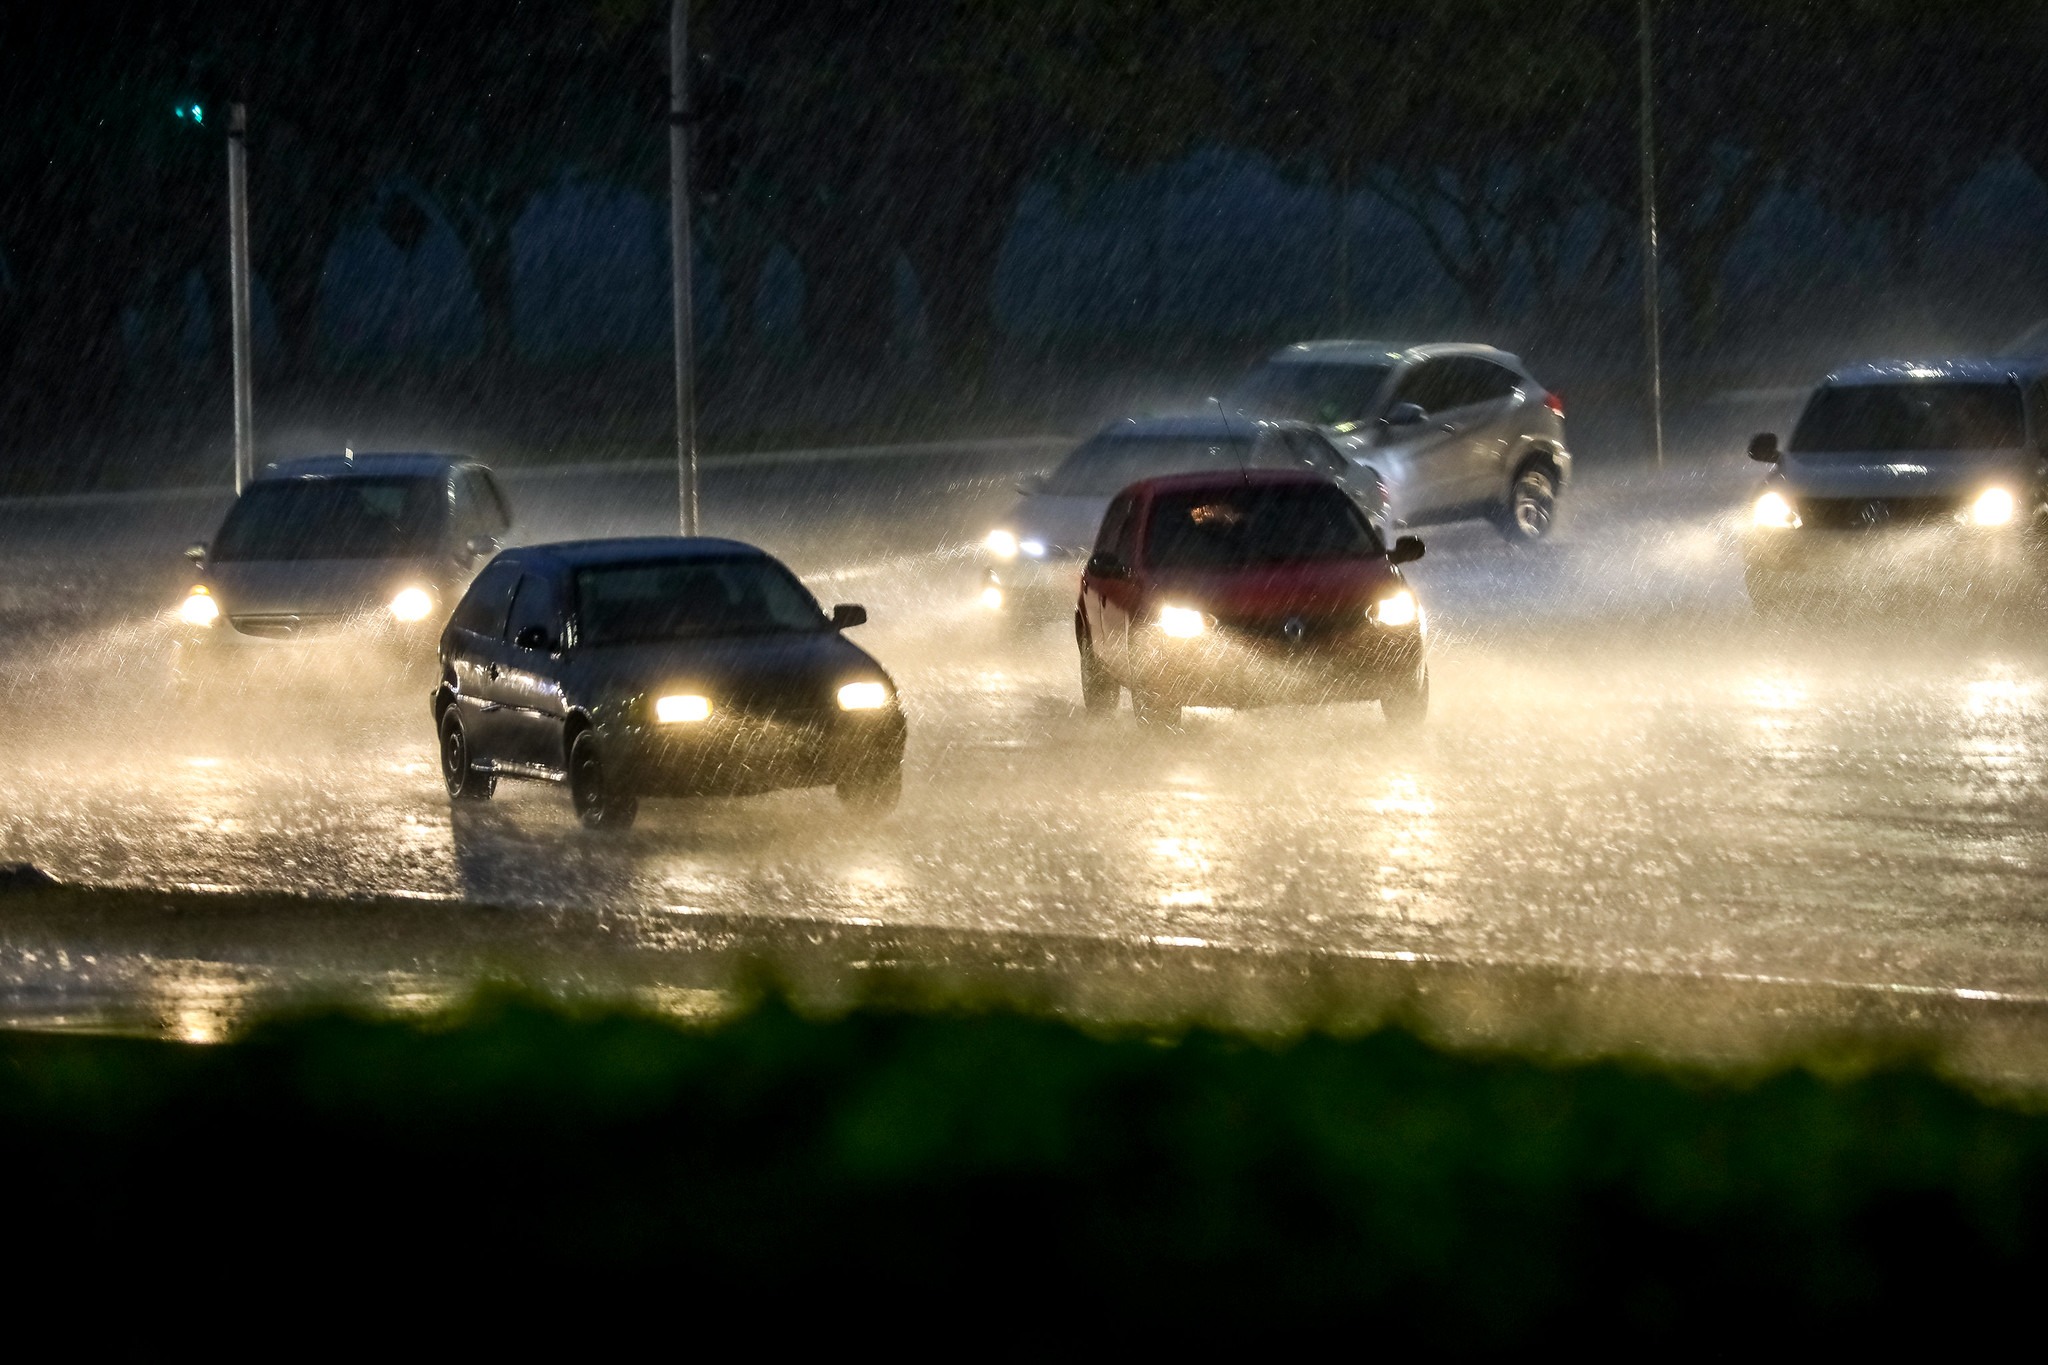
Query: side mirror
(535, 638)
(1104, 564)
(1407, 549)
(1764, 446)
(1031, 485)
(196, 552)
(479, 546)
(847, 615)
(1405, 415)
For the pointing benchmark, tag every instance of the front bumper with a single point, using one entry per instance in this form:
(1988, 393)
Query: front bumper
(739, 755)
(1234, 667)
(1934, 549)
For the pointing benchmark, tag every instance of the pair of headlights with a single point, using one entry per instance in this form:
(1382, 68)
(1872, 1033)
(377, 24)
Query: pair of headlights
(1397, 608)
(409, 605)
(1992, 507)
(688, 708)
(1005, 545)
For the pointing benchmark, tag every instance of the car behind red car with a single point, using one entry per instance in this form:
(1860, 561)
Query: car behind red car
(1245, 589)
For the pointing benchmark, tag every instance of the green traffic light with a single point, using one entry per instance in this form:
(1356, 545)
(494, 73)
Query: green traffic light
(190, 111)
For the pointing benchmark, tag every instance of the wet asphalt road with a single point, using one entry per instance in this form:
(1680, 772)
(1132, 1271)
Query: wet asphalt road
(1625, 771)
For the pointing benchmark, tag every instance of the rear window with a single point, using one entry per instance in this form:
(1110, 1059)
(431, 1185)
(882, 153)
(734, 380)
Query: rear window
(363, 518)
(1926, 416)
(1107, 465)
(1305, 391)
(1236, 528)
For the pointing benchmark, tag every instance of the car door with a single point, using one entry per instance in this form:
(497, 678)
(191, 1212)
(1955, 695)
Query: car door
(528, 687)
(1425, 461)
(1106, 602)
(476, 643)
(1490, 402)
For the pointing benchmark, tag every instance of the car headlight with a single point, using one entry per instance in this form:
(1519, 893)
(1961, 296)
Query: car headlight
(1993, 507)
(992, 597)
(1182, 623)
(412, 604)
(682, 708)
(1397, 608)
(1774, 511)
(1001, 544)
(1033, 548)
(199, 608)
(863, 696)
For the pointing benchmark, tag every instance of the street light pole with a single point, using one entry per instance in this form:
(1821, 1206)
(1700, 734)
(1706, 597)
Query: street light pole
(1652, 331)
(238, 293)
(679, 252)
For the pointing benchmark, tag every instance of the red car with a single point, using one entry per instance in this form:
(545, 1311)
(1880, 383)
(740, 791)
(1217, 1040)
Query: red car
(1246, 589)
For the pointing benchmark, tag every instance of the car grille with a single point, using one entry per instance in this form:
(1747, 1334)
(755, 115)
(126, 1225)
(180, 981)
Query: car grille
(286, 627)
(1299, 630)
(1869, 514)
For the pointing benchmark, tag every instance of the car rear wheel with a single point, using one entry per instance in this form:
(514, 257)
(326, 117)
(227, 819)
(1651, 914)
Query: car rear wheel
(597, 804)
(872, 789)
(1530, 513)
(458, 767)
(1407, 706)
(1099, 689)
(1152, 710)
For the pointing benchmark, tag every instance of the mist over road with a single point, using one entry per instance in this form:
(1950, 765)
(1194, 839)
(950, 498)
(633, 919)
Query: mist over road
(1624, 769)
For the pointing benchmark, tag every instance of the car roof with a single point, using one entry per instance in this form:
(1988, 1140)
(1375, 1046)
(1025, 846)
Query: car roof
(1983, 369)
(1230, 479)
(577, 554)
(364, 464)
(1195, 426)
(1340, 351)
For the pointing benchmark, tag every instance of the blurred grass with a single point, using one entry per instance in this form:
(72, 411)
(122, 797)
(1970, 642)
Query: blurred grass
(1018, 1166)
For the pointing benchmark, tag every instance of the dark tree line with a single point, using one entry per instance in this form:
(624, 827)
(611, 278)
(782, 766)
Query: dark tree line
(852, 131)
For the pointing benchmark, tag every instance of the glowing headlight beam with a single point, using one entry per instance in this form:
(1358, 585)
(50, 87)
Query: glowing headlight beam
(682, 709)
(1182, 623)
(1773, 511)
(1000, 543)
(863, 696)
(1034, 548)
(1993, 507)
(199, 608)
(412, 604)
(1395, 609)
(992, 597)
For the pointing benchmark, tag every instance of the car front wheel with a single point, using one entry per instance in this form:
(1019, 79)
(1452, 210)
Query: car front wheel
(458, 766)
(872, 788)
(598, 804)
(1098, 685)
(1407, 705)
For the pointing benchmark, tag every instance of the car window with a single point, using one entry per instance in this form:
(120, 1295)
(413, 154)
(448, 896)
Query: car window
(1109, 464)
(1428, 386)
(350, 518)
(482, 609)
(684, 599)
(1125, 546)
(1324, 392)
(534, 605)
(1113, 520)
(1486, 382)
(1912, 416)
(1238, 527)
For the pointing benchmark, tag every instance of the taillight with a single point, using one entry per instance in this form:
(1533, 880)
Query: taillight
(1554, 403)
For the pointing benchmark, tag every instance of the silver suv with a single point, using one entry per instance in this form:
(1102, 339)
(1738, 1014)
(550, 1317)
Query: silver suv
(1454, 430)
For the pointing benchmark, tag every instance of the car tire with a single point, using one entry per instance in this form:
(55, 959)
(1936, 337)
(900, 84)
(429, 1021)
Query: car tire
(466, 782)
(873, 789)
(1152, 710)
(1530, 513)
(1772, 594)
(1099, 688)
(1407, 706)
(597, 805)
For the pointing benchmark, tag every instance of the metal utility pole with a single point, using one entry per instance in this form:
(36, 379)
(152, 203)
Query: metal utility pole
(238, 291)
(1652, 332)
(679, 252)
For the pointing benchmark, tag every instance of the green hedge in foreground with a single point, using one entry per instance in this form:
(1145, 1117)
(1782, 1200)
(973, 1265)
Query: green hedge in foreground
(1205, 1185)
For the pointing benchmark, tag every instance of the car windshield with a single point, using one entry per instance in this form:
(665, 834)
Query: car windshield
(1234, 528)
(1327, 394)
(1109, 464)
(1923, 416)
(688, 599)
(349, 518)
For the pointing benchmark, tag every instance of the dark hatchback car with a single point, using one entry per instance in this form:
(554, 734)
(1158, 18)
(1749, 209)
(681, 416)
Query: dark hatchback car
(660, 667)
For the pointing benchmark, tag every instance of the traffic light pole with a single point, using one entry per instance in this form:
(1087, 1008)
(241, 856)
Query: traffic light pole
(238, 288)
(1653, 331)
(679, 254)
